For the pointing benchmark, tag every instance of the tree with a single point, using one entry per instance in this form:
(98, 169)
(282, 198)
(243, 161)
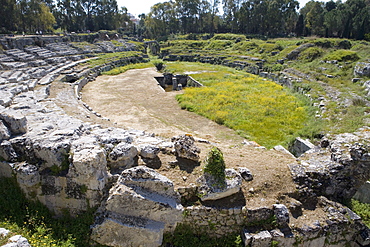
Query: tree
(8, 15)
(313, 13)
(299, 26)
(45, 19)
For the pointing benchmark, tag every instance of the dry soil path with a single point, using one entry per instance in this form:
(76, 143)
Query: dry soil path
(135, 100)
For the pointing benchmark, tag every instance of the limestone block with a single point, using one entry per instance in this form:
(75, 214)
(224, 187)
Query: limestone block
(4, 132)
(135, 201)
(5, 169)
(314, 242)
(282, 214)
(283, 238)
(211, 189)
(364, 237)
(185, 148)
(128, 231)
(53, 152)
(245, 173)
(6, 98)
(283, 150)
(262, 239)
(89, 167)
(4, 232)
(295, 53)
(149, 152)
(27, 175)
(17, 241)
(16, 122)
(123, 156)
(7, 151)
(149, 180)
(362, 69)
(301, 146)
(363, 193)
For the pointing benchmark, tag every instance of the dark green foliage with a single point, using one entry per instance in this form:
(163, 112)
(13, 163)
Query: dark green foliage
(342, 55)
(362, 209)
(186, 236)
(159, 65)
(35, 222)
(311, 53)
(215, 164)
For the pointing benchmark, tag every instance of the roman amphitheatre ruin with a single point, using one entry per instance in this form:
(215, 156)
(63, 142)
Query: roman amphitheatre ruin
(75, 139)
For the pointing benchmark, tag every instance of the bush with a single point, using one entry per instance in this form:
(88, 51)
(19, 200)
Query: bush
(311, 54)
(367, 36)
(324, 43)
(362, 209)
(219, 45)
(342, 55)
(159, 65)
(229, 36)
(215, 164)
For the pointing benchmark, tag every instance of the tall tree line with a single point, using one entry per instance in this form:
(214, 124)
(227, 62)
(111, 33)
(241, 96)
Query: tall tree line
(273, 18)
(70, 15)
(350, 19)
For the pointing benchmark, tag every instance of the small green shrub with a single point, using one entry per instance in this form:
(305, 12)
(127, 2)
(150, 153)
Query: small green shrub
(228, 36)
(324, 43)
(215, 164)
(159, 65)
(219, 44)
(245, 46)
(342, 55)
(310, 54)
(367, 36)
(362, 209)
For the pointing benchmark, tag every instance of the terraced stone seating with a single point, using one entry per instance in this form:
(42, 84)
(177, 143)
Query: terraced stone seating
(19, 55)
(5, 58)
(40, 52)
(62, 49)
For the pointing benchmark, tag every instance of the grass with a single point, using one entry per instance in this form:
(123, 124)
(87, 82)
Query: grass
(33, 220)
(106, 58)
(362, 209)
(119, 70)
(257, 109)
(185, 236)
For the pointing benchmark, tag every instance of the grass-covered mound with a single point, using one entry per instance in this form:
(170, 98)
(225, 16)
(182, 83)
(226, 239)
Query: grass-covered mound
(258, 109)
(326, 67)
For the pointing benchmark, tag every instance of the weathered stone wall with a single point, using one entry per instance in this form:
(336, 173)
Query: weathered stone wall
(21, 42)
(261, 226)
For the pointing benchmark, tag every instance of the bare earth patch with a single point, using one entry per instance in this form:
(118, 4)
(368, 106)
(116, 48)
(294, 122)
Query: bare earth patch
(135, 100)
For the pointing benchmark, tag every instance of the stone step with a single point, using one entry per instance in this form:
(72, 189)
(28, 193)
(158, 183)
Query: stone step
(140, 203)
(118, 230)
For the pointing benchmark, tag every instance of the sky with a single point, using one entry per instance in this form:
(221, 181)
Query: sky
(137, 7)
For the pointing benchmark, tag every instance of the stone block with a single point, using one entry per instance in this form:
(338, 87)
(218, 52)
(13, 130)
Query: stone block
(262, 239)
(211, 189)
(363, 193)
(301, 146)
(128, 231)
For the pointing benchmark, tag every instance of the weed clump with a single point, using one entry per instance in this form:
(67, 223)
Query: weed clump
(311, 54)
(215, 165)
(342, 55)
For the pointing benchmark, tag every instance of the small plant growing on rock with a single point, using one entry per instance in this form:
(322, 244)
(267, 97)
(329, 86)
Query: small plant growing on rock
(159, 65)
(215, 165)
